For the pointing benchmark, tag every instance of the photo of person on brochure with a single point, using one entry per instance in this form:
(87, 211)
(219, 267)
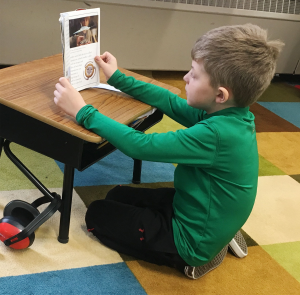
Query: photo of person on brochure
(83, 31)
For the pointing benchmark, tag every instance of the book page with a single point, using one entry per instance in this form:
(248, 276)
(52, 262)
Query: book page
(80, 30)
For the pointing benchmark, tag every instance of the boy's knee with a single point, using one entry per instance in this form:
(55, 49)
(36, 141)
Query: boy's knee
(115, 192)
(94, 209)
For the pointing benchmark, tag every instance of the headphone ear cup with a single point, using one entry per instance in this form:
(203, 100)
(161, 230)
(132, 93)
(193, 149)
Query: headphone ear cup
(17, 215)
(11, 226)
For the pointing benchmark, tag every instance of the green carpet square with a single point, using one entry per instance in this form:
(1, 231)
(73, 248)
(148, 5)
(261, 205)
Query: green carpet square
(287, 255)
(266, 168)
(42, 167)
(281, 92)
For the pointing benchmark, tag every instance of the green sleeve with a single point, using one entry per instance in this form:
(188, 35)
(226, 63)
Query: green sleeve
(194, 146)
(170, 104)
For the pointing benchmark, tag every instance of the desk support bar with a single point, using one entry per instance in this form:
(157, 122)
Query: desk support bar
(67, 192)
(25, 171)
(137, 170)
(1, 144)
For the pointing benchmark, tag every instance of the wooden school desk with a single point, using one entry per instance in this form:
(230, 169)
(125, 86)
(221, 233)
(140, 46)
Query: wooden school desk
(29, 117)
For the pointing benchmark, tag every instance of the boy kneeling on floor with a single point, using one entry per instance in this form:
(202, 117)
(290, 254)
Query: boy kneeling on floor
(189, 226)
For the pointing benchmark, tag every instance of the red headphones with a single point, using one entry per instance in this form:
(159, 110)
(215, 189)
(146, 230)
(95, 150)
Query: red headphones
(21, 219)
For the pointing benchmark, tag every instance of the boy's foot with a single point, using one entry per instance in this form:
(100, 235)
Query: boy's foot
(195, 272)
(238, 245)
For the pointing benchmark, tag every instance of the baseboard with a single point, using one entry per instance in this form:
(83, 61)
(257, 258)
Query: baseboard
(5, 66)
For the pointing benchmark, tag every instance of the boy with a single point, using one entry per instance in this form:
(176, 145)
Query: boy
(86, 36)
(188, 227)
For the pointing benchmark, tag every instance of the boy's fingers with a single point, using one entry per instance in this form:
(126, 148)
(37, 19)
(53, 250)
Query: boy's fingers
(56, 97)
(64, 82)
(99, 60)
(106, 56)
(59, 87)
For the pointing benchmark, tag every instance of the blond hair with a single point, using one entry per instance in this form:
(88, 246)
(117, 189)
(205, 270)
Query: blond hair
(238, 57)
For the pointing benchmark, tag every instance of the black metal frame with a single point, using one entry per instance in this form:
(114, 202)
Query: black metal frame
(58, 145)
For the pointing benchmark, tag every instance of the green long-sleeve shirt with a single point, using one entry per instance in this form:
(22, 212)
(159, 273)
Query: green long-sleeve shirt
(217, 172)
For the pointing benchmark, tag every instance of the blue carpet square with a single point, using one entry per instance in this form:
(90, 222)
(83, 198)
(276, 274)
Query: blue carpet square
(117, 168)
(287, 110)
(111, 279)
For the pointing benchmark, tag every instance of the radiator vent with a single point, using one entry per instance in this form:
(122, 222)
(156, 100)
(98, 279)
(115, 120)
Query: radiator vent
(278, 6)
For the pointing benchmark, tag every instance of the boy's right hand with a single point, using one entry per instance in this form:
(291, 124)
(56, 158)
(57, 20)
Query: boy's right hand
(108, 63)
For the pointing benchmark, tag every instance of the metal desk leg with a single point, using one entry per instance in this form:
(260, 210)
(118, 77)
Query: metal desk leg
(1, 144)
(67, 192)
(137, 169)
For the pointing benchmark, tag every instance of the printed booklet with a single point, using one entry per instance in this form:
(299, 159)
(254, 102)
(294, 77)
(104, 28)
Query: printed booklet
(80, 38)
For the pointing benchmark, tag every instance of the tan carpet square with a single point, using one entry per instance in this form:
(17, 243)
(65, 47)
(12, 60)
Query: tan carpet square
(275, 216)
(46, 253)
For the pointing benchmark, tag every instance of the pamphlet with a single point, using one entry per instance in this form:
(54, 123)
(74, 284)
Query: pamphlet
(80, 39)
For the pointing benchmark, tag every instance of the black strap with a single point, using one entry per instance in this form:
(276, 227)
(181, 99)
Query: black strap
(42, 200)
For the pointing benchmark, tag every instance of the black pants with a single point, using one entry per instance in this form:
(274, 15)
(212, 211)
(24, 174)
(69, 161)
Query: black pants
(137, 222)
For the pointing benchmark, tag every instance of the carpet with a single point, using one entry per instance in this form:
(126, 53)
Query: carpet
(85, 266)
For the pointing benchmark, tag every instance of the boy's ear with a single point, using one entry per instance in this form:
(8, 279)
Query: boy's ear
(222, 95)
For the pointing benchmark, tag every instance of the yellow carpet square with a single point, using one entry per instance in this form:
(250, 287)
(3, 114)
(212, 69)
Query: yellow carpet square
(281, 149)
(233, 276)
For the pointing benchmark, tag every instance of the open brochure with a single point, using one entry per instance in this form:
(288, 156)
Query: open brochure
(80, 38)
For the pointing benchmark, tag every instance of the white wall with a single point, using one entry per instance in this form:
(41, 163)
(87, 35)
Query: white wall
(141, 38)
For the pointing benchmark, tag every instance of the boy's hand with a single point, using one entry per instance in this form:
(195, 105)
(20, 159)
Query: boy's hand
(68, 98)
(108, 63)
(78, 40)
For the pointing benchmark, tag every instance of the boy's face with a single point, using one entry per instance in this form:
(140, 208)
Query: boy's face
(85, 22)
(199, 93)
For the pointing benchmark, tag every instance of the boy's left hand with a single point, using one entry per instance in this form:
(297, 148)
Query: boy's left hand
(68, 98)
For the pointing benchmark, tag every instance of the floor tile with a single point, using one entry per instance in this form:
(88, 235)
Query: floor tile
(287, 255)
(95, 280)
(281, 92)
(267, 121)
(44, 168)
(287, 110)
(281, 149)
(173, 78)
(258, 273)
(249, 241)
(296, 177)
(267, 168)
(275, 216)
(82, 250)
(165, 125)
(117, 168)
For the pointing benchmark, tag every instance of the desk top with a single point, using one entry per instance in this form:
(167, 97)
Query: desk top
(29, 87)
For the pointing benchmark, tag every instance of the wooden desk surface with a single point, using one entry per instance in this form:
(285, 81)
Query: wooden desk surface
(29, 87)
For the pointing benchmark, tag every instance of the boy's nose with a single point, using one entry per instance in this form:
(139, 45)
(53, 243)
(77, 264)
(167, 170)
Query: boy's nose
(185, 78)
